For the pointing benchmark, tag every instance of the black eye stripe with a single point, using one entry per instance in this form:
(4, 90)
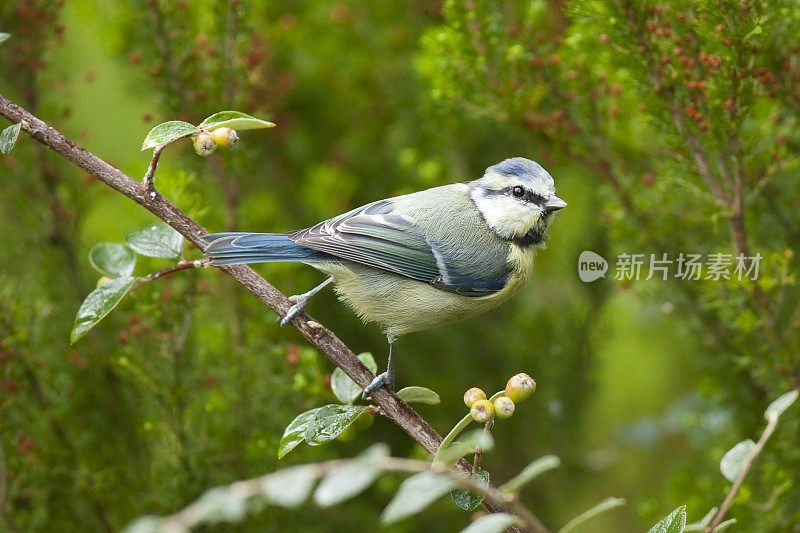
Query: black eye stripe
(528, 196)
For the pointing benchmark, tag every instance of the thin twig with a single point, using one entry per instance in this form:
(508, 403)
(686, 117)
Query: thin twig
(181, 265)
(737, 483)
(149, 177)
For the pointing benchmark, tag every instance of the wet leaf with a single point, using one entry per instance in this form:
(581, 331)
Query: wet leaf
(8, 137)
(465, 498)
(112, 259)
(167, 132)
(98, 304)
(158, 240)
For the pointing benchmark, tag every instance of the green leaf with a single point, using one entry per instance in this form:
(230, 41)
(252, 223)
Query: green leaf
(458, 449)
(539, 466)
(295, 433)
(4, 36)
(352, 479)
(112, 259)
(318, 426)
(466, 499)
(491, 523)
(8, 137)
(167, 132)
(329, 421)
(235, 120)
(734, 459)
(289, 487)
(674, 523)
(415, 494)
(344, 388)
(781, 404)
(415, 394)
(98, 304)
(158, 240)
(605, 505)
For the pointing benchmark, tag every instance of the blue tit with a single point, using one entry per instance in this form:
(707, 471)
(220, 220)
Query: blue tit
(421, 260)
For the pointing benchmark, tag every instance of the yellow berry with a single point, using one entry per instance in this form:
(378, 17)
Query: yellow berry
(225, 137)
(482, 411)
(504, 407)
(473, 395)
(520, 387)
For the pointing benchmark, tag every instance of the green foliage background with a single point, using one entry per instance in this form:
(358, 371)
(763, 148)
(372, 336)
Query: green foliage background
(190, 383)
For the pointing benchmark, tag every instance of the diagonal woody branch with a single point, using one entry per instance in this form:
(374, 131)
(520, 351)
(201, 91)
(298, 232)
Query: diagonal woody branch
(324, 339)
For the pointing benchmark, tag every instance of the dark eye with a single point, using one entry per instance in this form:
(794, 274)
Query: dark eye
(518, 192)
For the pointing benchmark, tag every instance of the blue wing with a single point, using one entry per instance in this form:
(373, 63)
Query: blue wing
(376, 236)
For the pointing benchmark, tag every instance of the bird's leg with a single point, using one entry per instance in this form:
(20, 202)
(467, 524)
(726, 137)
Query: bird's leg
(386, 378)
(300, 301)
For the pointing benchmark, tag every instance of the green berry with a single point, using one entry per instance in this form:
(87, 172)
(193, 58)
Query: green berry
(504, 407)
(204, 144)
(225, 137)
(363, 421)
(482, 411)
(473, 395)
(347, 435)
(520, 387)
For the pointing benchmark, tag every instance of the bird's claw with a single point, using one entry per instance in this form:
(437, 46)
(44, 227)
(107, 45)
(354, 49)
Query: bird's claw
(381, 380)
(299, 304)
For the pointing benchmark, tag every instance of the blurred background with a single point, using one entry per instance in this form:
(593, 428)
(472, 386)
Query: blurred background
(667, 128)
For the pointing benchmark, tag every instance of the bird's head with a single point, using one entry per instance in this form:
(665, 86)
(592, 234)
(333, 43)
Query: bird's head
(517, 199)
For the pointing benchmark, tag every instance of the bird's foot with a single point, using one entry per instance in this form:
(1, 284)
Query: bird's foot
(300, 302)
(381, 380)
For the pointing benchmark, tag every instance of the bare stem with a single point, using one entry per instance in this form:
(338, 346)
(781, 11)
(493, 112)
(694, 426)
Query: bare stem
(737, 483)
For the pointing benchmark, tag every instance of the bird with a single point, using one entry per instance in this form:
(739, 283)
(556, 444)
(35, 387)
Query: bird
(421, 260)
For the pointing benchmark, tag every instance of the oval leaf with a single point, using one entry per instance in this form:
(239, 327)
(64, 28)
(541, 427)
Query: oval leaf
(98, 304)
(782, 403)
(415, 494)
(159, 240)
(491, 523)
(167, 132)
(734, 459)
(467, 499)
(329, 421)
(220, 504)
(537, 467)
(289, 487)
(674, 523)
(415, 394)
(8, 137)
(344, 388)
(234, 119)
(112, 259)
(294, 433)
(605, 505)
(318, 426)
(345, 482)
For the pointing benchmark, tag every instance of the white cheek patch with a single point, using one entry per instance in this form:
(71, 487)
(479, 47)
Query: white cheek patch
(509, 218)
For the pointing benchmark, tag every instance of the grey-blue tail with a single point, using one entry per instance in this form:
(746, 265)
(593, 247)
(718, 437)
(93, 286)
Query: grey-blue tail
(238, 248)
